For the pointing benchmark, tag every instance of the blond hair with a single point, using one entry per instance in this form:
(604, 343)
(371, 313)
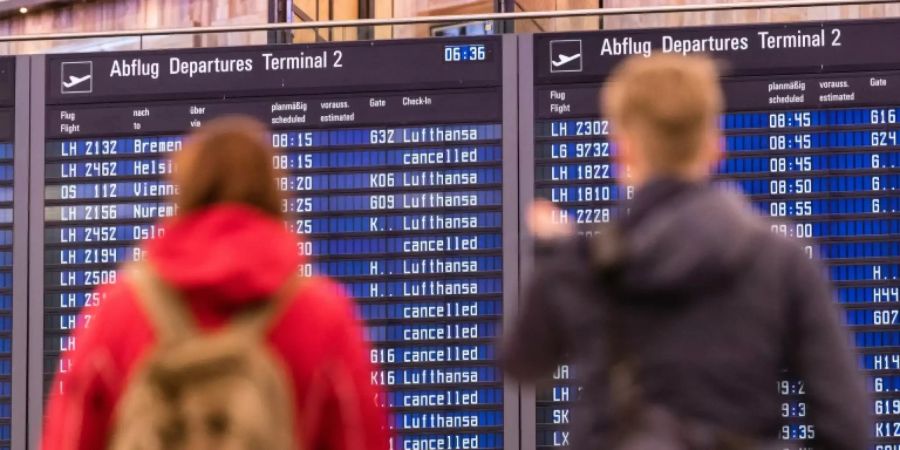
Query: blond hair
(671, 103)
(228, 160)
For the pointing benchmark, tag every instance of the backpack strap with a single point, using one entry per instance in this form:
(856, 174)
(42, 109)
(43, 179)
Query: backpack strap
(255, 322)
(174, 322)
(171, 319)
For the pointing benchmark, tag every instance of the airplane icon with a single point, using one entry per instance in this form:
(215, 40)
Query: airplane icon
(76, 77)
(565, 59)
(566, 55)
(74, 81)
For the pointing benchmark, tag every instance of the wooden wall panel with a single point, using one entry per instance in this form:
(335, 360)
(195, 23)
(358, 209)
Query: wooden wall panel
(105, 15)
(383, 10)
(345, 10)
(323, 10)
(731, 17)
(564, 24)
(412, 8)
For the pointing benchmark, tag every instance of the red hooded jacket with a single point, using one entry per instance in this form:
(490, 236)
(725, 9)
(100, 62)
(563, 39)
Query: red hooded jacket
(223, 259)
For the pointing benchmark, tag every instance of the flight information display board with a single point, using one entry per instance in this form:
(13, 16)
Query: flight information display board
(7, 189)
(812, 132)
(393, 158)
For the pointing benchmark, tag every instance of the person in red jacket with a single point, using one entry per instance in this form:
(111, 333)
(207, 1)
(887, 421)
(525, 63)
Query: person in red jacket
(227, 249)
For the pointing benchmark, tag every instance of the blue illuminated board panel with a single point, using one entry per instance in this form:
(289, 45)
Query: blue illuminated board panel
(6, 283)
(816, 151)
(393, 186)
(7, 143)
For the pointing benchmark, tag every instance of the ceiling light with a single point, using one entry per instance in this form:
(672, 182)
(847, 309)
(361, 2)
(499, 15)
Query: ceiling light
(23, 10)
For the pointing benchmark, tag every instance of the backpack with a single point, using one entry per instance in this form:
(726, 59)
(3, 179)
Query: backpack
(225, 390)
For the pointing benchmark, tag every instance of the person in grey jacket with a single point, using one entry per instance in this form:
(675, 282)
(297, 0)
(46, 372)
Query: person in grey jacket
(682, 315)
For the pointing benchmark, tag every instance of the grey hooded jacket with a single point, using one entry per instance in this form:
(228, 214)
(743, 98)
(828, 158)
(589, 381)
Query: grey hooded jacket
(709, 307)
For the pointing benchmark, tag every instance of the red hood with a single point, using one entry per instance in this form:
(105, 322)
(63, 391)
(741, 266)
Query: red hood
(231, 254)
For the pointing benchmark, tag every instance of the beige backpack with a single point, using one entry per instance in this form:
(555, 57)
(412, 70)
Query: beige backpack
(224, 390)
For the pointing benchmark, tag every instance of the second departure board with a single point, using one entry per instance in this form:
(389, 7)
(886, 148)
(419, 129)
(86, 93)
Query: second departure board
(812, 127)
(393, 159)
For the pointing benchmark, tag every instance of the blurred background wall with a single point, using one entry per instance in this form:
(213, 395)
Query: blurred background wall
(108, 15)
(750, 16)
(49, 16)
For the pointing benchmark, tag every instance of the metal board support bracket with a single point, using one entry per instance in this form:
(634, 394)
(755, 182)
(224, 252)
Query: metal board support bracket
(36, 255)
(21, 151)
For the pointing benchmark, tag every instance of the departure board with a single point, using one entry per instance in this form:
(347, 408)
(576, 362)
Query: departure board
(8, 137)
(394, 156)
(811, 136)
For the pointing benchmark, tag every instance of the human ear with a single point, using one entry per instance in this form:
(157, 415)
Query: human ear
(632, 163)
(714, 149)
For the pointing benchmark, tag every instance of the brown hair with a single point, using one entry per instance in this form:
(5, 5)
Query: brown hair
(228, 160)
(670, 102)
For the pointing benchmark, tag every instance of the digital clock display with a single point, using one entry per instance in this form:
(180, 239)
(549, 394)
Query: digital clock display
(467, 52)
